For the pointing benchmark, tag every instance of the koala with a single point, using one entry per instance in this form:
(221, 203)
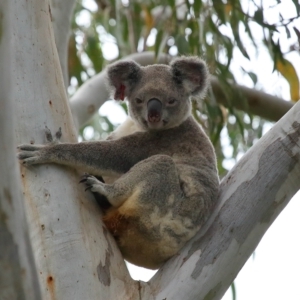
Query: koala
(165, 180)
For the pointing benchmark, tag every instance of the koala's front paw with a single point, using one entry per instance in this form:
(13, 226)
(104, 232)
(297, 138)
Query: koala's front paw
(37, 154)
(93, 184)
(30, 154)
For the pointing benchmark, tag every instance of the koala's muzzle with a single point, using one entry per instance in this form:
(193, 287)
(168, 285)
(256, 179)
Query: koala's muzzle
(154, 110)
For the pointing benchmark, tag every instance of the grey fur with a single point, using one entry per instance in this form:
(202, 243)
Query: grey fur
(167, 177)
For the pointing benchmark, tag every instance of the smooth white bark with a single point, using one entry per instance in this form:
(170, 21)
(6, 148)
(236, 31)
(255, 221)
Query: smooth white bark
(61, 16)
(18, 277)
(251, 197)
(75, 257)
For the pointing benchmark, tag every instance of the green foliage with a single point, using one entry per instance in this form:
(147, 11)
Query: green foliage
(233, 291)
(216, 30)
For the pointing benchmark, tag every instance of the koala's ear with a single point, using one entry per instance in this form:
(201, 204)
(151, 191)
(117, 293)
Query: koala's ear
(192, 73)
(122, 76)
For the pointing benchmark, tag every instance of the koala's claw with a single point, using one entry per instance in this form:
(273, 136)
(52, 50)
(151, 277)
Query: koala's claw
(58, 134)
(92, 183)
(49, 137)
(48, 134)
(29, 147)
(84, 178)
(30, 154)
(26, 154)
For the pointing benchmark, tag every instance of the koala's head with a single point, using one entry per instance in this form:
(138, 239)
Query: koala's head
(159, 95)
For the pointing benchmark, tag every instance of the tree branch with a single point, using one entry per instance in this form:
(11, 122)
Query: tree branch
(251, 197)
(93, 93)
(62, 12)
(256, 102)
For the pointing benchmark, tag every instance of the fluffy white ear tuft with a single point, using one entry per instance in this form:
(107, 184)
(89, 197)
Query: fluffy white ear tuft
(192, 73)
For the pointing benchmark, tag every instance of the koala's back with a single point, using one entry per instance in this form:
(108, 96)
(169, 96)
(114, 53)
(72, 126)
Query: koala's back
(175, 188)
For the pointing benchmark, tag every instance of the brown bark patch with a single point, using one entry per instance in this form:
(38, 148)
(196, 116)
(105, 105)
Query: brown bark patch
(51, 286)
(103, 271)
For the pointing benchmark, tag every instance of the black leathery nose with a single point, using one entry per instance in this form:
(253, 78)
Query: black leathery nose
(154, 110)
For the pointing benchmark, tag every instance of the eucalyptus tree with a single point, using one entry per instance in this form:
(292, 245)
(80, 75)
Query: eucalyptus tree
(58, 48)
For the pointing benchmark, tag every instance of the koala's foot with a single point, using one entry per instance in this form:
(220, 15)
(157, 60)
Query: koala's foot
(35, 154)
(93, 184)
(99, 197)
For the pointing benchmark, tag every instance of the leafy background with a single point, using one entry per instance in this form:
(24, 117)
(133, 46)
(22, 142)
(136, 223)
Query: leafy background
(227, 34)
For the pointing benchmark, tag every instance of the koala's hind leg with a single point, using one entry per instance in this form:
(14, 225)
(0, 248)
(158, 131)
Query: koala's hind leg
(100, 198)
(145, 218)
(152, 179)
(109, 191)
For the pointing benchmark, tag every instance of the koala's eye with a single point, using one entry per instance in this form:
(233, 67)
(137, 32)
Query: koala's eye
(172, 101)
(138, 100)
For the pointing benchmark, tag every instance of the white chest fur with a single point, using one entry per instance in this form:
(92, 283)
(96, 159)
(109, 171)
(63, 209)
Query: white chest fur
(126, 128)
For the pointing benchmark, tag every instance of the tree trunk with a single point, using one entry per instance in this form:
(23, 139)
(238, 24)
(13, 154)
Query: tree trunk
(75, 257)
(18, 277)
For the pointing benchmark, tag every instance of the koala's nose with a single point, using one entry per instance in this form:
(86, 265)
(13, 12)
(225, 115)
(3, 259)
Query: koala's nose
(154, 110)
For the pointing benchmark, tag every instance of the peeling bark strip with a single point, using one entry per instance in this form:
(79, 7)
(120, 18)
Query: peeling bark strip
(104, 271)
